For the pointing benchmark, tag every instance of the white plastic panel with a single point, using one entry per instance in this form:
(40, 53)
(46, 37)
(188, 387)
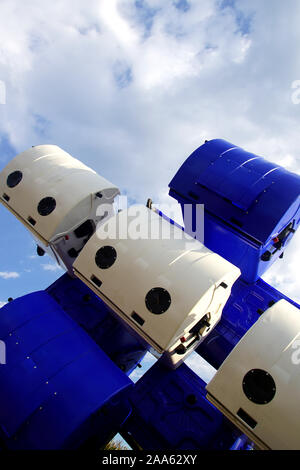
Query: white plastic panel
(161, 287)
(53, 194)
(258, 385)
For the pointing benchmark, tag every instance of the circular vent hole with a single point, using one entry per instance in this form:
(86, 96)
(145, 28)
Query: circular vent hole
(14, 179)
(259, 386)
(158, 300)
(46, 206)
(105, 257)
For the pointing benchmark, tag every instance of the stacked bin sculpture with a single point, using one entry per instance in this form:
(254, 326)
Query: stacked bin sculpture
(71, 348)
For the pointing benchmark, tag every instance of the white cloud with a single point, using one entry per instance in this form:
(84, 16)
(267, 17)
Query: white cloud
(200, 367)
(51, 267)
(132, 92)
(194, 361)
(147, 362)
(119, 27)
(2, 303)
(9, 275)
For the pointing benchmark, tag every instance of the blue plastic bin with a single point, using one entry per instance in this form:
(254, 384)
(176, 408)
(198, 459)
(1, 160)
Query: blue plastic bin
(251, 206)
(56, 383)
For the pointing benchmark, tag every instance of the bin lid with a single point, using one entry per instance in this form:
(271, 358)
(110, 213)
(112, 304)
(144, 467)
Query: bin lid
(241, 188)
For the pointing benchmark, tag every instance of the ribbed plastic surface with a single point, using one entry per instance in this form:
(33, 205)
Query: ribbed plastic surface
(251, 205)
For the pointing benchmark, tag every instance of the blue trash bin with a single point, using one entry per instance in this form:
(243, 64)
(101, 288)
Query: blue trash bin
(251, 206)
(57, 384)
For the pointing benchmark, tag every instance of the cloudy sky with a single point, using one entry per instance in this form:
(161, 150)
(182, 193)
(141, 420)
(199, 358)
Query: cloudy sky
(131, 88)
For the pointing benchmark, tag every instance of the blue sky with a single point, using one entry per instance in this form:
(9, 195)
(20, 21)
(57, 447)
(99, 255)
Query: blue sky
(131, 88)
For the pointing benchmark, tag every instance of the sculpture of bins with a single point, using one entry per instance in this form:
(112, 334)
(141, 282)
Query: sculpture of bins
(251, 205)
(58, 198)
(258, 385)
(170, 291)
(56, 380)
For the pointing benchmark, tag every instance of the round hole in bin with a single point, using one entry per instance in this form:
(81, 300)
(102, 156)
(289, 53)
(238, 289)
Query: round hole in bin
(105, 257)
(14, 179)
(46, 206)
(259, 386)
(158, 300)
(191, 399)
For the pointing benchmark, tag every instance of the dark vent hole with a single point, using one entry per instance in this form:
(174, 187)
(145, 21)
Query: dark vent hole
(137, 318)
(31, 221)
(14, 179)
(191, 399)
(46, 206)
(85, 230)
(105, 257)
(72, 253)
(96, 281)
(158, 300)
(246, 418)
